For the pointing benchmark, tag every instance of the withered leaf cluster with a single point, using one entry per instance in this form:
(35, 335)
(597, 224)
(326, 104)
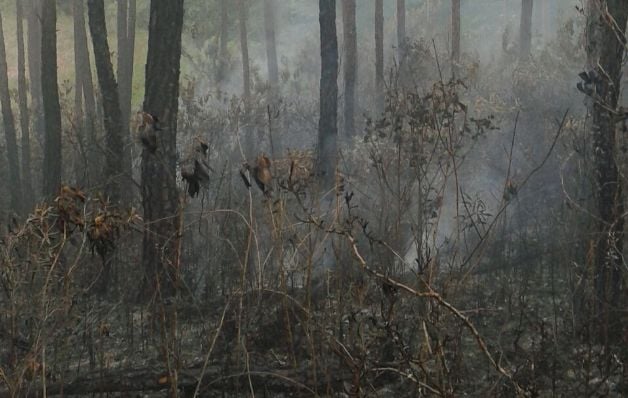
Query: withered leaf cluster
(73, 212)
(195, 168)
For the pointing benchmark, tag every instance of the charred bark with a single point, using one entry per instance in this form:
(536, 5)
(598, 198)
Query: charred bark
(223, 38)
(9, 130)
(27, 182)
(114, 158)
(249, 143)
(455, 33)
(50, 95)
(159, 189)
(379, 55)
(244, 48)
(85, 97)
(350, 65)
(605, 51)
(126, 51)
(271, 43)
(525, 29)
(34, 66)
(401, 29)
(328, 119)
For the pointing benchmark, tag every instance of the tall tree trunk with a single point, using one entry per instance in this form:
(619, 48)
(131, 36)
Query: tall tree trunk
(81, 170)
(50, 95)
(34, 20)
(401, 29)
(271, 44)
(328, 119)
(9, 130)
(428, 15)
(249, 143)
(159, 186)
(350, 65)
(604, 57)
(85, 94)
(223, 37)
(244, 48)
(525, 29)
(544, 16)
(114, 158)
(27, 183)
(126, 51)
(122, 19)
(455, 33)
(379, 55)
(114, 172)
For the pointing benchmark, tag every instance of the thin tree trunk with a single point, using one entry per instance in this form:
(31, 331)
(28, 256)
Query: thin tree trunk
(81, 170)
(455, 33)
(544, 16)
(27, 183)
(126, 49)
(9, 130)
(428, 15)
(224, 32)
(244, 48)
(85, 90)
(126, 52)
(122, 33)
(271, 44)
(249, 143)
(328, 119)
(379, 55)
(34, 19)
(525, 29)
(122, 17)
(159, 186)
(50, 95)
(114, 173)
(401, 29)
(350, 65)
(114, 160)
(604, 57)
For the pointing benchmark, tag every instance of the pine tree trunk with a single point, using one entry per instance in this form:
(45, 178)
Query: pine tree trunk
(544, 17)
(114, 171)
(249, 142)
(271, 44)
(34, 19)
(455, 33)
(85, 95)
(525, 29)
(244, 48)
(9, 130)
(328, 119)
(401, 29)
(126, 50)
(159, 187)
(379, 55)
(50, 96)
(604, 57)
(223, 37)
(80, 167)
(27, 182)
(350, 65)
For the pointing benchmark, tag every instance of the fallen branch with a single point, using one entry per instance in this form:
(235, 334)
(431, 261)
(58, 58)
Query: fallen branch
(201, 378)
